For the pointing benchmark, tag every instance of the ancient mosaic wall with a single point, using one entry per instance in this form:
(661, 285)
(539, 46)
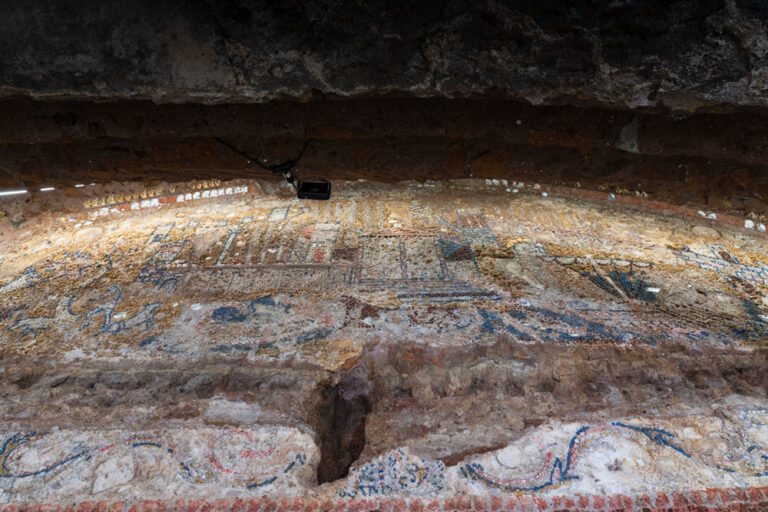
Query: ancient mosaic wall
(203, 278)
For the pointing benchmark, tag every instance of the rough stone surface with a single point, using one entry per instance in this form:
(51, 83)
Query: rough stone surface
(681, 54)
(706, 161)
(447, 345)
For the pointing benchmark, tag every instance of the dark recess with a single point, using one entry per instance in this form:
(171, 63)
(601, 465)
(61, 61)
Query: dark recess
(341, 425)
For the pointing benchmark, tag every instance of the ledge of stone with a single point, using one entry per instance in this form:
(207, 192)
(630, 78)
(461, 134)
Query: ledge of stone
(679, 54)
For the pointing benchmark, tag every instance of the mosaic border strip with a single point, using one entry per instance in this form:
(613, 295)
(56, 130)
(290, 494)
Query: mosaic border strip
(547, 190)
(511, 186)
(650, 204)
(753, 499)
(168, 199)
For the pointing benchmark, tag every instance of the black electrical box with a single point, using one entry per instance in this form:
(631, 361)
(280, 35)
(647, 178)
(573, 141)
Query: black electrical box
(320, 190)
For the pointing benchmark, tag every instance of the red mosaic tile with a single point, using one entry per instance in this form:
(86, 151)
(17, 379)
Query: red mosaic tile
(399, 505)
(415, 505)
(464, 503)
(598, 502)
(662, 501)
(268, 505)
(512, 503)
(479, 504)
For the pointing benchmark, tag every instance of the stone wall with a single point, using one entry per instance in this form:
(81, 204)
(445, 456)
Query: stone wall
(710, 161)
(681, 54)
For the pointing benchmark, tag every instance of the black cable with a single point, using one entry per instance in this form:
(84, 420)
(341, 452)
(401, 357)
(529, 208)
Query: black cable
(282, 167)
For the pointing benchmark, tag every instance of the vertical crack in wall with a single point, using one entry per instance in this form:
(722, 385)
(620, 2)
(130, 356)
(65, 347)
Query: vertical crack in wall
(340, 426)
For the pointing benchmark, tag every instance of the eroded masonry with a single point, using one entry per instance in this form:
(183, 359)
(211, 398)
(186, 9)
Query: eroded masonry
(448, 339)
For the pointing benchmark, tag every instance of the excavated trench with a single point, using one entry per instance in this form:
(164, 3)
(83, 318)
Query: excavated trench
(341, 423)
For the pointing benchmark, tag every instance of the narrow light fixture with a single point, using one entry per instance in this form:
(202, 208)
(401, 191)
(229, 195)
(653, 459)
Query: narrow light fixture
(12, 192)
(79, 185)
(47, 189)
